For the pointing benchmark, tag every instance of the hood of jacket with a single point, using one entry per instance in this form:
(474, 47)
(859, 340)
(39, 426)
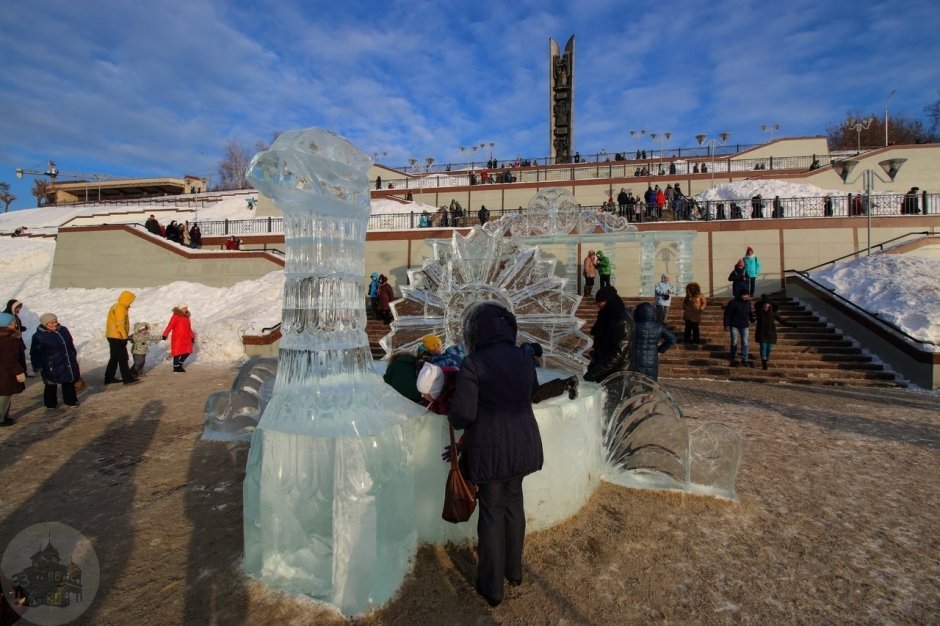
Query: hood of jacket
(126, 298)
(140, 327)
(488, 323)
(644, 312)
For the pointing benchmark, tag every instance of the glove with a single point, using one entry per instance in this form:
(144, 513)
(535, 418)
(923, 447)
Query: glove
(164, 337)
(21, 378)
(445, 455)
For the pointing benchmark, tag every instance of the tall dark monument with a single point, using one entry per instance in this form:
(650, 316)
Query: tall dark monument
(561, 101)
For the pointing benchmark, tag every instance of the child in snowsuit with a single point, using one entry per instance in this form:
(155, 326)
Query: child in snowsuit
(140, 344)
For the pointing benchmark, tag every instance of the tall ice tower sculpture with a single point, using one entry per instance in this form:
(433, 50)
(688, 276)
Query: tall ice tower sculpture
(329, 485)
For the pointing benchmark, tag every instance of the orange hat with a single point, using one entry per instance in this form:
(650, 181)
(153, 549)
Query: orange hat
(432, 343)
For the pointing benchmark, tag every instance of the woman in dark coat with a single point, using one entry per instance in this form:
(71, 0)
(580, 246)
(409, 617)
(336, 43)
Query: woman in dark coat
(12, 370)
(492, 402)
(767, 317)
(53, 354)
(613, 337)
(652, 339)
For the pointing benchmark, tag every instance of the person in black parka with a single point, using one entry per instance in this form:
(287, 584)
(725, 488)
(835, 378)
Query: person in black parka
(52, 353)
(613, 335)
(492, 402)
(652, 339)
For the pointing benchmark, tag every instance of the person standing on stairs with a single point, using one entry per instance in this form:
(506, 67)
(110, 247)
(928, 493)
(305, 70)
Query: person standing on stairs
(767, 316)
(663, 292)
(752, 267)
(692, 307)
(603, 269)
(590, 273)
(738, 318)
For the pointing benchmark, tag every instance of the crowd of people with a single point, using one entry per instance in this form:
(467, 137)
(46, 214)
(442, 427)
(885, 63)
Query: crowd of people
(54, 358)
(181, 233)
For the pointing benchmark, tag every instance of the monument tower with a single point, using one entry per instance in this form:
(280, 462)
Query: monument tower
(561, 101)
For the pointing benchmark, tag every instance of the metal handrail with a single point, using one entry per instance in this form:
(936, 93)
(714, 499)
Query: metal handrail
(881, 246)
(844, 301)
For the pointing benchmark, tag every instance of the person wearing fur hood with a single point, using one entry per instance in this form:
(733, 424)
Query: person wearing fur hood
(12, 371)
(181, 344)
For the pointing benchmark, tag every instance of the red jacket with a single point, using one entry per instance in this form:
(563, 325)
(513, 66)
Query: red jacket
(183, 335)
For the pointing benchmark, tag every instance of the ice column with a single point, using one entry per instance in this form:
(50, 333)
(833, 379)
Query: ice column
(329, 488)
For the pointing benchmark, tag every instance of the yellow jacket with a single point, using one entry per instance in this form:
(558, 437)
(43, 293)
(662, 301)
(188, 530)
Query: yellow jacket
(119, 325)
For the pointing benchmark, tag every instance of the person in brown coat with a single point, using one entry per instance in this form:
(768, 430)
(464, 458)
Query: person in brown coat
(386, 295)
(692, 307)
(12, 371)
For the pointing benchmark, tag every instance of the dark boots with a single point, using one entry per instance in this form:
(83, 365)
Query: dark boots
(763, 363)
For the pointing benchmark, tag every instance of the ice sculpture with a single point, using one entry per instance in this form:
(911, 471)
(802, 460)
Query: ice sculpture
(232, 415)
(490, 264)
(651, 446)
(329, 489)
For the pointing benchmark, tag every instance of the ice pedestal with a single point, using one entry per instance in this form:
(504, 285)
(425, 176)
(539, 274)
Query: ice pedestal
(329, 491)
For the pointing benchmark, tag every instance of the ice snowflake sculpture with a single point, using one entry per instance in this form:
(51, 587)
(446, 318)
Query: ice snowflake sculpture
(490, 264)
(232, 415)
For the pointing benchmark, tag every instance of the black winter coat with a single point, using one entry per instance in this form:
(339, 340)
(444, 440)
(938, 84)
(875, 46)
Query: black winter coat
(11, 362)
(738, 314)
(613, 341)
(652, 339)
(492, 400)
(767, 322)
(53, 354)
(739, 282)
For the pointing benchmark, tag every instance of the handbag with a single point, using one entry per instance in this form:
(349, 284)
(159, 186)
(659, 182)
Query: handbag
(460, 495)
(80, 384)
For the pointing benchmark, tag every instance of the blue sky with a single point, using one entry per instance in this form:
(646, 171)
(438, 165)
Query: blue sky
(157, 88)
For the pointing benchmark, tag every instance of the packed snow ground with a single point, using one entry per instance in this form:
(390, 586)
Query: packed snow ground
(900, 289)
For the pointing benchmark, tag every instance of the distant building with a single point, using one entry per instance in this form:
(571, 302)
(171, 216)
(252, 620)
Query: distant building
(124, 189)
(49, 582)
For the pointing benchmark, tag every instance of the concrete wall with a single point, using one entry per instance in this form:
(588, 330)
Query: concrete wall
(120, 256)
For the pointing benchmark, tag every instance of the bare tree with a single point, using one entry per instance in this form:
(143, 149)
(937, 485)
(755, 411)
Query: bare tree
(233, 166)
(40, 191)
(901, 130)
(933, 114)
(6, 197)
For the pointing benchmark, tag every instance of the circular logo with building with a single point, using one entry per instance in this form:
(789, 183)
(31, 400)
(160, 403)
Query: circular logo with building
(49, 573)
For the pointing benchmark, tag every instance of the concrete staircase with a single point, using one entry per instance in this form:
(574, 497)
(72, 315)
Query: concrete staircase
(811, 353)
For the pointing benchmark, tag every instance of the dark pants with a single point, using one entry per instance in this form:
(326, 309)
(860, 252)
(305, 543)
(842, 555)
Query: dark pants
(50, 395)
(501, 533)
(139, 361)
(117, 359)
(691, 334)
(605, 280)
(178, 360)
(588, 285)
(752, 285)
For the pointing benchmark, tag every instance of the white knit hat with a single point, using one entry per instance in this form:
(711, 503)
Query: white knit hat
(431, 380)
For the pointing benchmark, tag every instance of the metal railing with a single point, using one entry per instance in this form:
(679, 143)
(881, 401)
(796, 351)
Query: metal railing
(687, 209)
(881, 247)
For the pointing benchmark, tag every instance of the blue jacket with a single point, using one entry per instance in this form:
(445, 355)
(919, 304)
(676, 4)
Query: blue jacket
(492, 401)
(651, 340)
(374, 286)
(752, 265)
(53, 354)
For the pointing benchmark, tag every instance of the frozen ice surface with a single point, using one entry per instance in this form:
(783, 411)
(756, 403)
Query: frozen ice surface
(233, 415)
(649, 445)
(329, 490)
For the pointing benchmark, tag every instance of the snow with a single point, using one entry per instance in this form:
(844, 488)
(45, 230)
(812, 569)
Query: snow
(898, 288)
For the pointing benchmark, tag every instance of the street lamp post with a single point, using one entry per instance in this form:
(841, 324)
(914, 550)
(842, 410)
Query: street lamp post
(471, 150)
(891, 167)
(858, 126)
(662, 138)
(770, 129)
(637, 134)
(712, 146)
(886, 115)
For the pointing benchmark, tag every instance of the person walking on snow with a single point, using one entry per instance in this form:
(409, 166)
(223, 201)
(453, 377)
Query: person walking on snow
(12, 370)
(53, 354)
(752, 267)
(117, 330)
(181, 345)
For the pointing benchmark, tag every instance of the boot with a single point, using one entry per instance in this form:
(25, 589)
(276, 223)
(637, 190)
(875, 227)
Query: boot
(178, 368)
(763, 363)
(587, 291)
